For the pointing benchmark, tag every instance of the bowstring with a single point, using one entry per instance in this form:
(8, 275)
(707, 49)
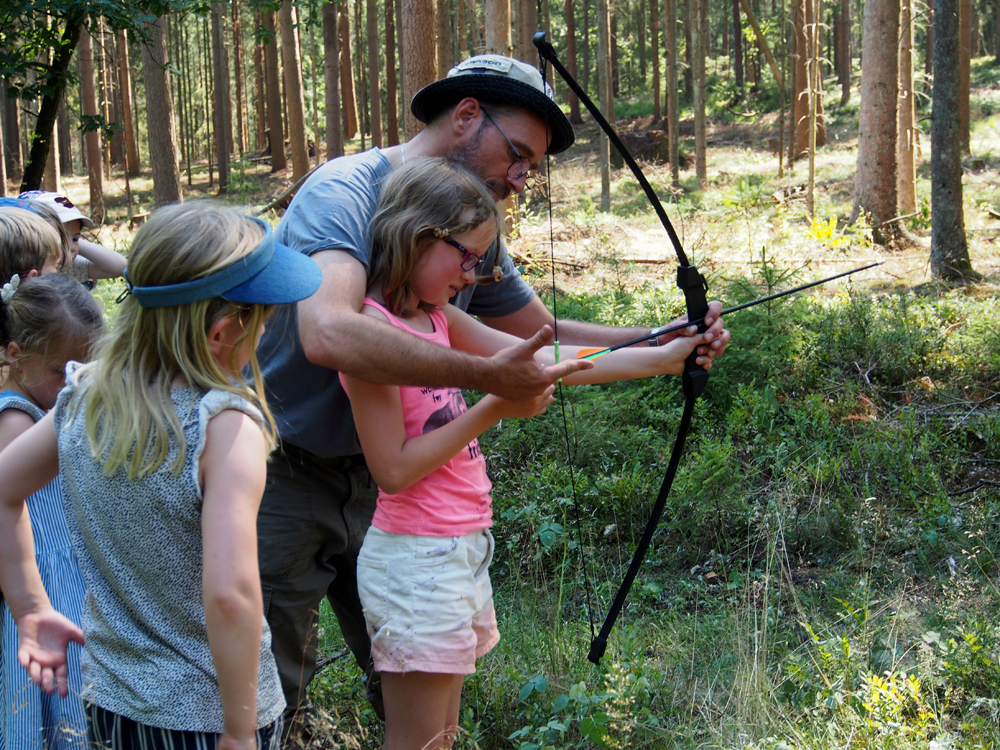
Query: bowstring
(559, 387)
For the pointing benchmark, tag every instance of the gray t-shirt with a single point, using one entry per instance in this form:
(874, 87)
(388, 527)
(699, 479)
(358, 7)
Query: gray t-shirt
(333, 210)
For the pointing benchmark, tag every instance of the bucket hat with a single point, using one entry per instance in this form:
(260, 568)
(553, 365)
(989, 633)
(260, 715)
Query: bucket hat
(495, 78)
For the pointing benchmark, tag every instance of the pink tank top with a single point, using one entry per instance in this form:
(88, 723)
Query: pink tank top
(455, 499)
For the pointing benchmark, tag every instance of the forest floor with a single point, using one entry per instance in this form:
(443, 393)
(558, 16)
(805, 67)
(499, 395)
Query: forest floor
(826, 573)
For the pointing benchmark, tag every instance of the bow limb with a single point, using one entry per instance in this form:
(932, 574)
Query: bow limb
(695, 377)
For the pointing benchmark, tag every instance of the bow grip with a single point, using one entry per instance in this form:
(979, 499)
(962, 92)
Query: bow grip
(694, 286)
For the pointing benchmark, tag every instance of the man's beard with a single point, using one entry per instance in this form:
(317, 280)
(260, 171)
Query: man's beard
(468, 156)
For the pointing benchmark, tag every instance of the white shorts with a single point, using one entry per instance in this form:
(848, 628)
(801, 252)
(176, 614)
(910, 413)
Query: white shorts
(428, 600)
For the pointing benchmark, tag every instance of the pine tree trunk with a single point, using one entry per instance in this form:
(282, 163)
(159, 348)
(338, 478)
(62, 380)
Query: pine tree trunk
(391, 85)
(673, 123)
(241, 103)
(419, 53)
(444, 53)
(159, 119)
(949, 246)
(655, 60)
(875, 178)
(220, 100)
(906, 176)
(463, 31)
(348, 103)
(965, 61)
(359, 72)
(12, 137)
(374, 84)
(125, 79)
(291, 60)
(3, 168)
(737, 49)
(275, 128)
(574, 102)
(604, 86)
(698, 100)
(88, 105)
(331, 74)
(65, 140)
(585, 71)
(844, 34)
(528, 25)
(498, 34)
(258, 71)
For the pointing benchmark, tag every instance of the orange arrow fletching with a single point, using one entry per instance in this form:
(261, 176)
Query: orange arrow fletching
(591, 353)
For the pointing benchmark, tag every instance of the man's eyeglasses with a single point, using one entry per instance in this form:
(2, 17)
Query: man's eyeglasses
(518, 170)
(469, 262)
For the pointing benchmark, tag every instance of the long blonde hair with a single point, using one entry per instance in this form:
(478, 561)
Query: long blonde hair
(130, 415)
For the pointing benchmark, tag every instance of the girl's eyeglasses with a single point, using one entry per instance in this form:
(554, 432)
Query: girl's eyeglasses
(518, 170)
(469, 262)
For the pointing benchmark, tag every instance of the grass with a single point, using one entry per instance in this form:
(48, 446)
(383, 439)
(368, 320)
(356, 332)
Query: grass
(825, 574)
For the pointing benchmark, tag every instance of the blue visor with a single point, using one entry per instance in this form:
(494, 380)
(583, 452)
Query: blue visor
(271, 274)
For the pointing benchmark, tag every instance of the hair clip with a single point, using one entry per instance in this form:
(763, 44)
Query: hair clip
(441, 233)
(125, 293)
(7, 293)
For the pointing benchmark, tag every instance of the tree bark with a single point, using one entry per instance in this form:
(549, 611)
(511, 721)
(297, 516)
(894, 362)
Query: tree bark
(331, 74)
(655, 59)
(88, 105)
(844, 34)
(275, 128)
(949, 246)
(220, 100)
(12, 136)
(641, 37)
(737, 49)
(965, 61)
(391, 84)
(528, 18)
(498, 35)
(258, 68)
(125, 79)
(291, 60)
(159, 119)
(348, 102)
(604, 86)
(374, 84)
(419, 53)
(56, 81)
(906, 131)
(241, 108)
(673, 122)
(875, 178)
(698, 88)
(444, 44)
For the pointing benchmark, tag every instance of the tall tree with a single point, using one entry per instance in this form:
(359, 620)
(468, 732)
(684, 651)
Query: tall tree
(604, 86)
(93, 134)
(843, 31)
(291, 60)
(348, 101)
(906, 130)
(738, 49)
(875, 178)
(11, 135)
(698, 83)
(655, 57)
(444, 42)
(420, 65)
(498, 37)
(272, 76)
(220, 100)
(964, 71)
(125, 81)
(528, 17)
(949, 246)
(574, 101)
(673, 122)
(241, 108)
(258, 70)
(159, 117)
(331, 74)
(374, 85)
(391, 87)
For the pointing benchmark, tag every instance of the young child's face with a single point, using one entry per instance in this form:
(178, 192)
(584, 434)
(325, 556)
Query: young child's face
(73, 229)
(438, 275)
(41, 376)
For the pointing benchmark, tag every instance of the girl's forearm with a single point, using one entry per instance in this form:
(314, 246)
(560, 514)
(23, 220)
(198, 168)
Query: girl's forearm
(106, 263)
(233, 617)
(625, 364)
(20, 580)
(421, 455)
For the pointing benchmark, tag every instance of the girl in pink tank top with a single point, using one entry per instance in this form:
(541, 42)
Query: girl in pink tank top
(423, 572)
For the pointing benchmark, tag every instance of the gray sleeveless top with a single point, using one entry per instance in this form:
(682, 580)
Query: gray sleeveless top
(140, 550)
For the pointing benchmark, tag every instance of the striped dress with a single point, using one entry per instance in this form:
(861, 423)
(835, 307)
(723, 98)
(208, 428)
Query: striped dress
(30, 719)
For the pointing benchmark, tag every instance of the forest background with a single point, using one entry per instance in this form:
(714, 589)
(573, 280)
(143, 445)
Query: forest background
(825, 573)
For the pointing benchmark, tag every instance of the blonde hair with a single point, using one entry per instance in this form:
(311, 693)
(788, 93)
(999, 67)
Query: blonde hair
(48, 314)
(130, 415)
(420, 202)
(52, 219)
(26, 242)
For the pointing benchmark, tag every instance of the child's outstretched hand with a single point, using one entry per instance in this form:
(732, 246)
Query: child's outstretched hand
(43, 640)
(530, 407)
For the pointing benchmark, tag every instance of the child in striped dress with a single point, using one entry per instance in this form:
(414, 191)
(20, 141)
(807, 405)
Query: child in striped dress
(47, 320)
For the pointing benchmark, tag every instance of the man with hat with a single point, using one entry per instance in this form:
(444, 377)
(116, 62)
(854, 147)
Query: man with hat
(497, 117)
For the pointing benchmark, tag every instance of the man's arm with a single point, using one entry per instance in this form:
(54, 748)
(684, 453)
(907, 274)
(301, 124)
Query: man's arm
(534, 315)
(336, 335)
